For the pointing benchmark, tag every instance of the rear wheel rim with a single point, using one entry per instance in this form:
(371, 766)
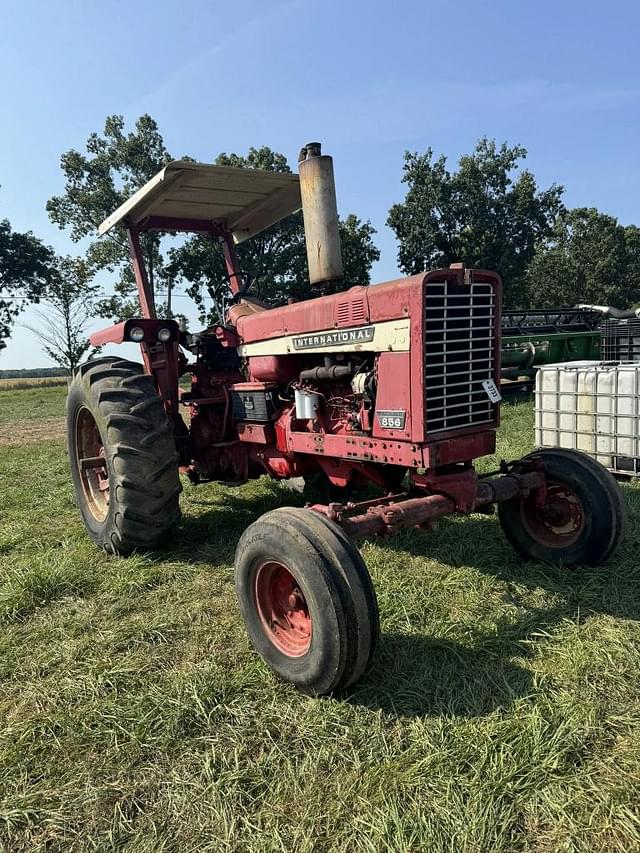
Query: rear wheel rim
(283, 610)
(557, 524)
(92, 465)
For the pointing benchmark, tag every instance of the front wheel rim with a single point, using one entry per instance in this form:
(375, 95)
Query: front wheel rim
(92, 465)
(283, 610)
(557, 524)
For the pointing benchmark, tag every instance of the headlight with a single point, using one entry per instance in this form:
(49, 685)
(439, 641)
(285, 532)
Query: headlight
(136, 334)
(163, 335)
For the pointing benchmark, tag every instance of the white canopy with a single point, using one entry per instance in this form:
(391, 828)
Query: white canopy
(245, 201)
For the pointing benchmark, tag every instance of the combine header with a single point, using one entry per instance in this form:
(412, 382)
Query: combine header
(394, 386)
(531, 339)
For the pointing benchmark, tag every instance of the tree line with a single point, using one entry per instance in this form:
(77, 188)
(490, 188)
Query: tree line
(488, 212)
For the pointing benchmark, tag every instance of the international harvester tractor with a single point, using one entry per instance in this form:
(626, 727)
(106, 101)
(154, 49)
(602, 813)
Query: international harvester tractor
(392, 386)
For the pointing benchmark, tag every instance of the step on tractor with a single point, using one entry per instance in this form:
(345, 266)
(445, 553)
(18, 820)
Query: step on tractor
(392, 387)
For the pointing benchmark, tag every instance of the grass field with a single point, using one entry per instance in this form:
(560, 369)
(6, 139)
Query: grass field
(502, 712)
(32, 382)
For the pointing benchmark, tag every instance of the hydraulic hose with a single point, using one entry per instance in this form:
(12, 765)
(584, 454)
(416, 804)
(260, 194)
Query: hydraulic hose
(322, 374)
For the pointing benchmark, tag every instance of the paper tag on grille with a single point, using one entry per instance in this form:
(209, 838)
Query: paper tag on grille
(491, 391)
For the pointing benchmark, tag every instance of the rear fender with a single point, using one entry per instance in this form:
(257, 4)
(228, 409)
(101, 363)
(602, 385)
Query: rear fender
(161, 358)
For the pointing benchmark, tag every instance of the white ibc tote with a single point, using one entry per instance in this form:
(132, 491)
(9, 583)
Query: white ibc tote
(594, 407)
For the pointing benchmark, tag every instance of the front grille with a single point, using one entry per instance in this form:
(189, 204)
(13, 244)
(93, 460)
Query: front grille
(459, 340)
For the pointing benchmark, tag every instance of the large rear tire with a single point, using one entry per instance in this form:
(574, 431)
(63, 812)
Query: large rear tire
(583, 520)
(123, 458)
(306, 599)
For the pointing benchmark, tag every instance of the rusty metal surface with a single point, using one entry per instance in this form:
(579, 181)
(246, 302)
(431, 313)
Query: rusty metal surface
(387, 519)
(320, 212)
(455, 492)
(508, 487)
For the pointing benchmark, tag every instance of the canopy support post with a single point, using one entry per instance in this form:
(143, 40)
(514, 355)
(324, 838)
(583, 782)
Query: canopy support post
(231, 261)
(145, 294)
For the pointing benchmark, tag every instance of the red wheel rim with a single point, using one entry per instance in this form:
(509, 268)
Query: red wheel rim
(557, 524)
(92, 465)
(283, 609)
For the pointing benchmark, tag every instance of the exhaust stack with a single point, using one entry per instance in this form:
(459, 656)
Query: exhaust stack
(320, 212)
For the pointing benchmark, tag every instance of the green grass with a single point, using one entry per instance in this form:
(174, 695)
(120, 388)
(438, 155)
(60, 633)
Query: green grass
(22, 383)
(501, 713)
(32, 403)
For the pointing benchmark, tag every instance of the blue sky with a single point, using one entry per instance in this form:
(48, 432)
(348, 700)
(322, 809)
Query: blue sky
(368, 79)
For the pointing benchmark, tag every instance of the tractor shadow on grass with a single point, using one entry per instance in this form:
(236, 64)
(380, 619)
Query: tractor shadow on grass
(417, 675)
(477, 542)
(213, 523)
(413, 675)
(210, 535)
(420, 676)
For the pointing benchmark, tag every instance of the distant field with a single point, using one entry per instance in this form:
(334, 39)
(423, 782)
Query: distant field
(31, 382)
(502, 711)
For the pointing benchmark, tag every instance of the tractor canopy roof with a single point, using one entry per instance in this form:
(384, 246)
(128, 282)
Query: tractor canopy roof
(186, 196)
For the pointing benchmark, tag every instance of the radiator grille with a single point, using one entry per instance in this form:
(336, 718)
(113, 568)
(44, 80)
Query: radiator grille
(459, 324)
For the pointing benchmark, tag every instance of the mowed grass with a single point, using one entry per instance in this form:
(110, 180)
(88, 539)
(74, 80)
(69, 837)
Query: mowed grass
(502, 712)
(33, 402)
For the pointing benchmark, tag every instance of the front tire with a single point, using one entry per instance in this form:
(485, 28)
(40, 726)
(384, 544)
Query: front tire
(583, 520)
(306, 599)
(123, 458)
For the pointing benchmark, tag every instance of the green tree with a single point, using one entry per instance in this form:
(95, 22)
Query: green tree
(359, 252)
(67, 310)
(481, 214)
(589, 257)
(26, 270)
(273, 263)
(115, 165)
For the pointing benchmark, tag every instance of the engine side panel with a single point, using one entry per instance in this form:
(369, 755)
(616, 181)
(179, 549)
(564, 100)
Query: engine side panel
(392, 414)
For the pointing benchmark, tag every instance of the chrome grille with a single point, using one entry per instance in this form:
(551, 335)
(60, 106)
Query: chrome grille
(459, 340)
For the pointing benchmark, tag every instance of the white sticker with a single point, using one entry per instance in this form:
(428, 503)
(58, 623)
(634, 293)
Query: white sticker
(492, 392)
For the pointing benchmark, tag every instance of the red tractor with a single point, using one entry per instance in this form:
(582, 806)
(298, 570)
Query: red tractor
(393, 385)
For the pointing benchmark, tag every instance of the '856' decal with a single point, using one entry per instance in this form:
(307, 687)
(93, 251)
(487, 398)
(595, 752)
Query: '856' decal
(391, 419)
